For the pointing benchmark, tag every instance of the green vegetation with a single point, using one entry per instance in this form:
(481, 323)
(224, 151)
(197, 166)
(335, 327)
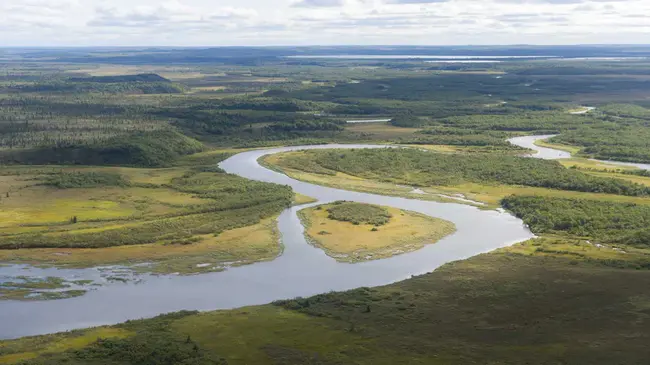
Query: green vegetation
(358, 213)
(155, 149)
(30, 283)
(613, 141)
(35, 295)
(279, 162)
(83, 179)
(626, 111)
(300, 199)
(227, 202)
(204, 253)
(541, 122)
(177, 218)
(174, 231)
(127, 84)
(603, 221)
(152, 344)
(461, 137)
(50, 288)
(121, 78)
(421, 168)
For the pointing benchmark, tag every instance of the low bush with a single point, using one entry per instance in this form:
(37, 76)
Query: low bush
(83, 179)
(605, 221)
(358, 213)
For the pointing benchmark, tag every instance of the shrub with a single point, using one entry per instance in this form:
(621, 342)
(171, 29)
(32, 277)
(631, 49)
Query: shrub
(83, 179)
(358, 213)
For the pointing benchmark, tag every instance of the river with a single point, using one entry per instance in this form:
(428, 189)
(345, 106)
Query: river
(553, 154)
(302, 270)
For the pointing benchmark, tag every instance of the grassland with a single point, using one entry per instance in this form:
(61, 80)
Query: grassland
(574, 150)
(345, 241)
(300, 199)
(34, 347)
(238, 246)
(586, 165)
(190, 218)
(381, 131)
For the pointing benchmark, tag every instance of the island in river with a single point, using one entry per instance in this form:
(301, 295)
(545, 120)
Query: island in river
(352, 232)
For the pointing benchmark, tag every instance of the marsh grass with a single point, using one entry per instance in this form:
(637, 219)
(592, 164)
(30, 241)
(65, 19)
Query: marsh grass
(95, 213)
(31, 289)
(300, 199)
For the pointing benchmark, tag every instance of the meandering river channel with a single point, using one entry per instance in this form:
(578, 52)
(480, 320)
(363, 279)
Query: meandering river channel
(301, 270)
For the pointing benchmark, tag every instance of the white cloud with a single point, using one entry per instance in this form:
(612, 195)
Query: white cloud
(263, 22)
(318, 3)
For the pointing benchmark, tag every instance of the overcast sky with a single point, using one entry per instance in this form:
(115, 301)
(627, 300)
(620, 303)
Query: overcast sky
(320, 22)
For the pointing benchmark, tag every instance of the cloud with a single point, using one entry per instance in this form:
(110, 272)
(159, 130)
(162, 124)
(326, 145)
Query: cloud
(300, 22)
(167, 14)
(415, 1)
(551, 2)
(318, 3)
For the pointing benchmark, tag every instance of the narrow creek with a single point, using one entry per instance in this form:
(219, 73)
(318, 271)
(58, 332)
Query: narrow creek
(302, 270)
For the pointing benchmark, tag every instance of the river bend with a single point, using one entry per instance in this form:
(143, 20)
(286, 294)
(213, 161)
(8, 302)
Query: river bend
(302, 270)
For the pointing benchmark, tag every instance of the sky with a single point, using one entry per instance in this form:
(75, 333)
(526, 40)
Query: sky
(321, 22)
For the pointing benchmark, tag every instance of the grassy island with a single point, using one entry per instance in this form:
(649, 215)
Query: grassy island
(352, 232)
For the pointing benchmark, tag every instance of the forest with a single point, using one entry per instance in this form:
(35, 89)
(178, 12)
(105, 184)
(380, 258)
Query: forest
(422, 168)
(143, 149)
(611, 222)
(615, 141)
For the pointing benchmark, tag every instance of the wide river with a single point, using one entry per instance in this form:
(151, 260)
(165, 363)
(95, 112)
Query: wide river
(301, 270)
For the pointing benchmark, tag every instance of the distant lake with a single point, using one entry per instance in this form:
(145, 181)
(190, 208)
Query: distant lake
(464, 59)
(427, 57)
(605, 59)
